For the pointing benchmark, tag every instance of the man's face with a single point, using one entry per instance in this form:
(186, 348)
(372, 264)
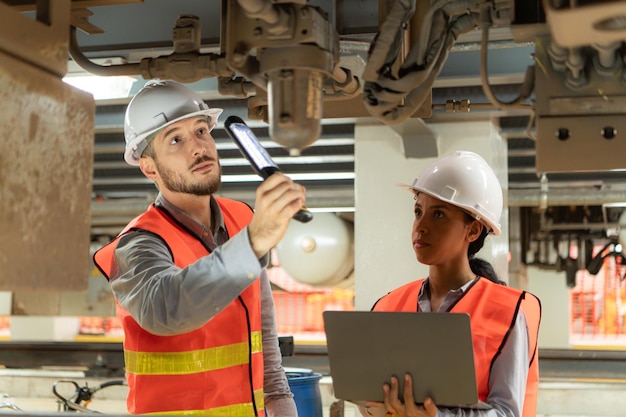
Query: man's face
(185, 158)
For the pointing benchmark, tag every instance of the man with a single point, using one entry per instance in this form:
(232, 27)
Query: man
(188, 274)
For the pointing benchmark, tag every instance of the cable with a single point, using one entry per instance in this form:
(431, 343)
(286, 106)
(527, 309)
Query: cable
(529, 79)
(423, 41)
(385, 46)
(395, 100)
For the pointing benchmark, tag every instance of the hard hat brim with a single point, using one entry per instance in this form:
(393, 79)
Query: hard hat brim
(494, 228)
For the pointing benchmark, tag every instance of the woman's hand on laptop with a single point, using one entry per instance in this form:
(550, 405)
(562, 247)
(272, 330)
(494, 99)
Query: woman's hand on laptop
(373, 409)
(408, 408)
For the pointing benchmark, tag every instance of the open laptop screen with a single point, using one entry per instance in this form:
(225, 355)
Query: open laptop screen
(365, 348)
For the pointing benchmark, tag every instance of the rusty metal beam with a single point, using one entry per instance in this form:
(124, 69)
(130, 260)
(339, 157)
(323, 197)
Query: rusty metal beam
(43, 41)
(30, 5)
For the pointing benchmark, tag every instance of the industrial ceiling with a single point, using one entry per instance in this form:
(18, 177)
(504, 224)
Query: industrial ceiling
(140, 36)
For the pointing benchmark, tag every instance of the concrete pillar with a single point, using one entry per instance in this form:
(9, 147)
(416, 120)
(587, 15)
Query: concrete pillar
(554, 294)
(384, 257)
(46, 155)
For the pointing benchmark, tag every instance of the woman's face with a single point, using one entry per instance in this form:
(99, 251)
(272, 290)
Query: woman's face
(441, 231)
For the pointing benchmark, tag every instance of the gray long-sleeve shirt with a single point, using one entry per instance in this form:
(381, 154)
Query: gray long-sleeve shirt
(167, 300)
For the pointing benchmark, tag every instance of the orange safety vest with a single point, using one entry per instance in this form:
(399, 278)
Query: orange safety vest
(216, 370)
(493, 310)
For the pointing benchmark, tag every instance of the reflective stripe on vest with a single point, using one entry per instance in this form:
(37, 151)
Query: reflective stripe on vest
(177, 363)
(205, 371)
(236, 410)
(488, 330)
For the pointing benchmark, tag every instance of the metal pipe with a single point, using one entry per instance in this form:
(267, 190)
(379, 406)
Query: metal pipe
(345, 81)
(558, 56)
(575, 64)
(237, 87)
(607, 54)
(102, 70)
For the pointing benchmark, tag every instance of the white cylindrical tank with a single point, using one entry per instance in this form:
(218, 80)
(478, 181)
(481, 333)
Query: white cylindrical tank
(318, 253)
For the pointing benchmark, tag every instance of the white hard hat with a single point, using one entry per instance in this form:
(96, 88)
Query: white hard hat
(465, 180)
(157, 105)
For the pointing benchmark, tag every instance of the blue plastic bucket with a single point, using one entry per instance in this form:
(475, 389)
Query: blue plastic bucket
(304, 384)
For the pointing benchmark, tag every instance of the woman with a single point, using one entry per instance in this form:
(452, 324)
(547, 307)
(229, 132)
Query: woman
(458, 202)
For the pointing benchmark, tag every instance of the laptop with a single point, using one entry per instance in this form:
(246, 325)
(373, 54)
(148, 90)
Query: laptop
(366, 348)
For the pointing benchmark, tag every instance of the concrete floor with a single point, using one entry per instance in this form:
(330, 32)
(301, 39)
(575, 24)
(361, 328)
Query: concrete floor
(31, 390)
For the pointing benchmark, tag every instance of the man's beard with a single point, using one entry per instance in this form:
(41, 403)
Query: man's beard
(176, 183)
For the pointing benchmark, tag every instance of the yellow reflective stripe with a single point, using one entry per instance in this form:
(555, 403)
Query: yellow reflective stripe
(260, 399)
(179, 363)
(235, 410)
